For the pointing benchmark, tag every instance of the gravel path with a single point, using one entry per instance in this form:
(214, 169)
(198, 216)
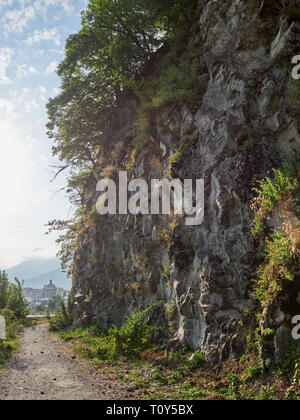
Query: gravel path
(44, 369)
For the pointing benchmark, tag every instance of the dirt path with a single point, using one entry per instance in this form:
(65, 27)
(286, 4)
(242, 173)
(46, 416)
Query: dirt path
(45, 370)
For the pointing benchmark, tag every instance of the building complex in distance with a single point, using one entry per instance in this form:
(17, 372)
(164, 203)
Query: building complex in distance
(41, 296)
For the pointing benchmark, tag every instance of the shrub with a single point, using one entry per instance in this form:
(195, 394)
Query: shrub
(196, 361)
(270, 192)
(281, 253)
(292, 364)
(7, 348)
(136, 335)
(14, 309)
(279, 265)
(64, 316)
(182, 148)
(128, 341)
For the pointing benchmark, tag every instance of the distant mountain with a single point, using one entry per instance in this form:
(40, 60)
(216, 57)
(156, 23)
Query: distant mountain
(37, 272)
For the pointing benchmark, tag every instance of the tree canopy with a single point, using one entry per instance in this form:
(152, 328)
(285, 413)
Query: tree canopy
(116, 41)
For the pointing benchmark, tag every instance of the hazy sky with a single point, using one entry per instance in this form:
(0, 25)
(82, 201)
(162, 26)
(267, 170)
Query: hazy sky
(32, 37)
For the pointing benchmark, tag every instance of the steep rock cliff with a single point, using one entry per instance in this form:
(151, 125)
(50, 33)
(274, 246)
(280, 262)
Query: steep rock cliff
(242, 127)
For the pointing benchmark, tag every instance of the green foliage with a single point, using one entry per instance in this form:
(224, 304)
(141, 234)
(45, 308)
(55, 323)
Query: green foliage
(4, 290)
(283, 186)
(128, 341)
(12, 303)
(292, 364)
(54, 303)
(67, 239)
(232, 390)
(182, 148)
(196, 361)
(7, 348)
(254, 341)
(275, 189)
(233, 379)
(281, 253)
(175, 78)
(254, 372)
(158, 376)
(136, 335)
(64, 315)
(16, 302)
(115, 44)
(14, 309)
(279, 265)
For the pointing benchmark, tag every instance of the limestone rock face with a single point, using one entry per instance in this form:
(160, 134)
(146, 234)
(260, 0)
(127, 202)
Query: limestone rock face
(243, 127)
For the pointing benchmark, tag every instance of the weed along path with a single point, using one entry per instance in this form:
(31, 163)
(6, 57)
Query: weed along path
(45, 369)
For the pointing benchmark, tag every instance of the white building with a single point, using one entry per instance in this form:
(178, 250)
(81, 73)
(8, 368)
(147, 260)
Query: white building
(40, 296)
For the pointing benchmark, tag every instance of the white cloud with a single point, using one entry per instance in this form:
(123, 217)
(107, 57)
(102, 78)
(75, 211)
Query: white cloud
(52, 67)
(67, 6)
(5, 59)
(23, 70)
(41, 89)
(4, 3)
(42, 5)
(7, 107)
(44, 35)
(17, 20)
(31, 105)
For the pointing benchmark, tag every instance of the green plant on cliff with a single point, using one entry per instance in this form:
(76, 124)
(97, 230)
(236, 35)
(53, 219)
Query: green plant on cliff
(270, 192)
(280, 264)
(277, 224)
(182, 148)
(175, 77)
(278, 196)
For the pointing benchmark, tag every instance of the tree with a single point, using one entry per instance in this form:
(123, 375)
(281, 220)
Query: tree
(16, 302)
(116, 42)
(54, 303)
(4, 288)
